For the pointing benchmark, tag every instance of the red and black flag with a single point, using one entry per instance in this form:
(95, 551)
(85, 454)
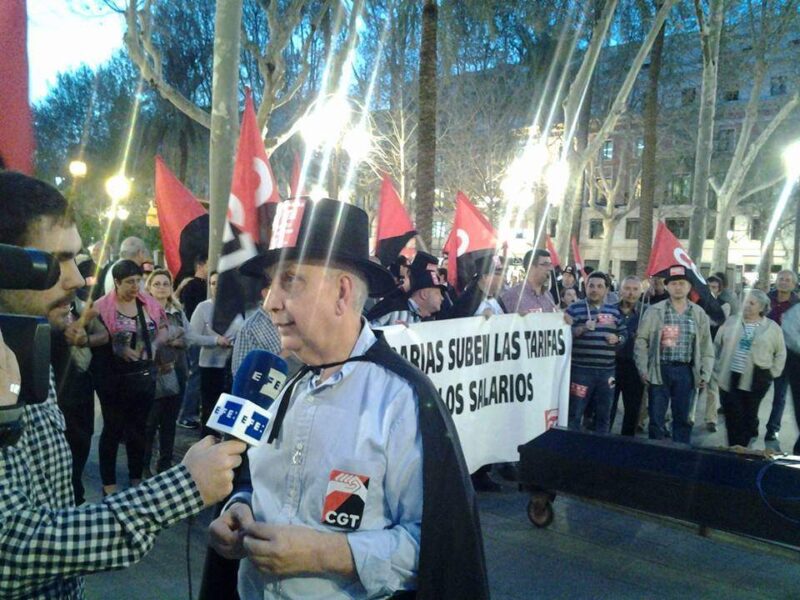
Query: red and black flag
(471, 238)
(183, 223)
(395, 228)
(551, 248)
(16, 128)
(294, 184)
(668, 252)
(251, 207)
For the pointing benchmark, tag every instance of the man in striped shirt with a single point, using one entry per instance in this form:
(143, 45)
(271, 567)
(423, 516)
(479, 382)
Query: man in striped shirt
(597, 333)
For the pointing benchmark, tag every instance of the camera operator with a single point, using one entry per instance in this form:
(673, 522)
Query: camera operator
(46, 543)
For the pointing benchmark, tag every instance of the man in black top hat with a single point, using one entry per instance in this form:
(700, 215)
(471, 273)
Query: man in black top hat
(361, 489)
(480, 295)
(674, 355)
(423, 299)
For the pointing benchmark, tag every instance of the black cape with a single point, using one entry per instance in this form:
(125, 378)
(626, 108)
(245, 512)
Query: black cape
(394, 301)
(452, 565)
(468, 302)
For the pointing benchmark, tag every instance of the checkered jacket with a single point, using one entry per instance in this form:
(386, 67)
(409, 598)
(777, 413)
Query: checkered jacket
(46, 543)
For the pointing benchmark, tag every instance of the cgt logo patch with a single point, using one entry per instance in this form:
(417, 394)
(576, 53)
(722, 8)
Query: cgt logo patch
(345, 500)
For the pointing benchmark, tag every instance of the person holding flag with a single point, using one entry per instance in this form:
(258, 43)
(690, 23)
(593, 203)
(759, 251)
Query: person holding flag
(674, 355)
(598, 333)
(532, 295)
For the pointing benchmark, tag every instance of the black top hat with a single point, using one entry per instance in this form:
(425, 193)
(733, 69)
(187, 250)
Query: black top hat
(325, 229)
(490, 263)
(423, 273)
(674, 273)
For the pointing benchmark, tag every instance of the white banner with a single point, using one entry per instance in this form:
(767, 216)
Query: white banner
(505, 380)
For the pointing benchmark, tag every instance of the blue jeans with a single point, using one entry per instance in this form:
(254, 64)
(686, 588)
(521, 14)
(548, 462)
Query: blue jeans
(190, 407)
(677, 387)
(779, 386)
(591, 384)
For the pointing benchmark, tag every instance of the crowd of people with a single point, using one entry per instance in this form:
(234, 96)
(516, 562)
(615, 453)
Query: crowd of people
(354, 418)
(667, 357)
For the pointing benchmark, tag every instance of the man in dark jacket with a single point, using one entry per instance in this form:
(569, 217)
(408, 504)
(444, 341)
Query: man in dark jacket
(480, 296)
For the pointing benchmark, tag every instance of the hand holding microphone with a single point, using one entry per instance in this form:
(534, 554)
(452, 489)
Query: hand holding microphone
(211, 466)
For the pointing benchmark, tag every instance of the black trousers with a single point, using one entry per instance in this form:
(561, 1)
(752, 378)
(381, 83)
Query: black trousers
(124, 419)
(76, 401)
(793, 373)
(632, 389)
(213, 382)
(741, 412)
(162, 418)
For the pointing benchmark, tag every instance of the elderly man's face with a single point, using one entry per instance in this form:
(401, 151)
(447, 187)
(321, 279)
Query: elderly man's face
(302, 305)
(631, 291)
(429, 301)
(64, 242)
(785, 281)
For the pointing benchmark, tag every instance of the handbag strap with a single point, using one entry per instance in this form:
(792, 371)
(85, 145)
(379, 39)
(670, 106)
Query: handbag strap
(145, 333)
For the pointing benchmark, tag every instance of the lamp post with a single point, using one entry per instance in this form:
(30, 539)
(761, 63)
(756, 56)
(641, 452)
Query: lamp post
(118, 188)
(328, 129)
(791, 161)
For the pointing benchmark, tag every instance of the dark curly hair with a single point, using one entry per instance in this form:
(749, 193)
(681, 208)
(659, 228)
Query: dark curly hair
(25, 200)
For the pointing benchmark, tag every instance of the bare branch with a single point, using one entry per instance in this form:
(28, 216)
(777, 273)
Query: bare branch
(145, 56)
(761, 187)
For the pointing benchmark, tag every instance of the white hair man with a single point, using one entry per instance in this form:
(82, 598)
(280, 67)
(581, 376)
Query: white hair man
(336, 501)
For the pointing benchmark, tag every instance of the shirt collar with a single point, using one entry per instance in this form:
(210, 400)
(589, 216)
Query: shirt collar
(413, 306)
(364, 341)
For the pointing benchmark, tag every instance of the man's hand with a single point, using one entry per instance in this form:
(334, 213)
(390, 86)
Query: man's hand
(9, 375)
(701, 384)
(568, 319)
(75, 333)
(294, 549)
(644, 378)
(211, 466)
(590, 325)
(612, 339)
(223, 342)
(226, 532)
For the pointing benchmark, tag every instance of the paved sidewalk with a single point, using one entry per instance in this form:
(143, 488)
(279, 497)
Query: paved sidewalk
(589, 552)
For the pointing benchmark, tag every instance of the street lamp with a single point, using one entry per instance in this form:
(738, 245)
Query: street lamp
(557, 179)
(118, 187)
(791, 161)
(78, 169)
(357, 143)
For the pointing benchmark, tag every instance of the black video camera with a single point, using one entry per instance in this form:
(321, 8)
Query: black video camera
(27, 336)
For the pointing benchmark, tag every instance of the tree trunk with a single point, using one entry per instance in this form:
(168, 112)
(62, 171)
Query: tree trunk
(609, 224)
(650, 140)
(426, 150)
(765, 264)
(224, 119)
(705, 127)
(719, 261)
(581, 141)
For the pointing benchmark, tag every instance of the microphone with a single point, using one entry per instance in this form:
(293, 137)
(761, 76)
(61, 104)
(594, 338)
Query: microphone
(243, 414)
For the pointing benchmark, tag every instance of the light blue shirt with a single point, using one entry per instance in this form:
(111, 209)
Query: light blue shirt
(361, 421)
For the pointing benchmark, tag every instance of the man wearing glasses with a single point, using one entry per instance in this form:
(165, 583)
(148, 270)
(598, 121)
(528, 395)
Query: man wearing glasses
(533, 294)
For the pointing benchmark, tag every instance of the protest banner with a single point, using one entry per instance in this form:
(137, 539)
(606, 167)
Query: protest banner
(505, 379)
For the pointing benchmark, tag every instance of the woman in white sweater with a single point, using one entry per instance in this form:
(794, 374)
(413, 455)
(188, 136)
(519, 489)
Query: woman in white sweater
(750, 354)
(215, 353)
